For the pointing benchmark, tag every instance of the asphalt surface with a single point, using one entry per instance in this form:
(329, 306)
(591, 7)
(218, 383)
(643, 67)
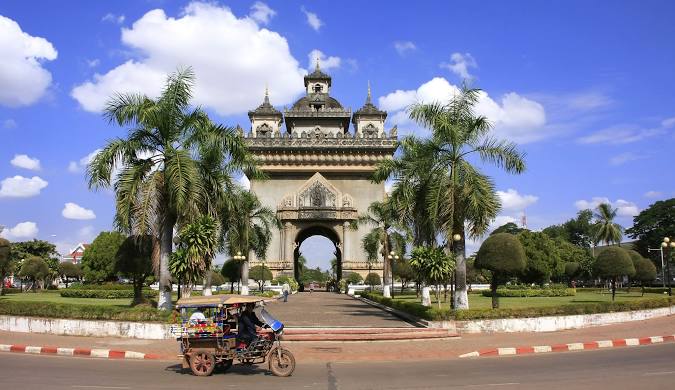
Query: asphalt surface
(650, 367)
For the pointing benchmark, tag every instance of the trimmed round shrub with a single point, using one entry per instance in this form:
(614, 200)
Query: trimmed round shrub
(373, 279)
(353, 278)
(612, 263)
(503, 254)
(645, 271)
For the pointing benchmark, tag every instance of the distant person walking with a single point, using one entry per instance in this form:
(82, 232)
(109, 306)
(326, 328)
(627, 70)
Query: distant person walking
(285, 289)
(311, 287)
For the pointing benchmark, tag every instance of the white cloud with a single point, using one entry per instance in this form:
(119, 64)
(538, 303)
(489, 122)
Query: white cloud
(586, 101)
(233, 59)
(21, 187)
(81, 165)
(653, 194)
(514, 117)
(325, 62)
(404, 47)
(624, 207)
(23, 230)
(261, 12)
(75, 211)
(513, 201)
(9, 124)
(86, 232)
(459, 64)
(668, 123)
(625, 134)
(23, 161)
(93, 63)
(245, 182)
(623, 158)
(22, 77)
(312, 19)
(112, 18)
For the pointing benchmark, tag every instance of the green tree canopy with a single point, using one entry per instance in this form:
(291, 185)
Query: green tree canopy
(571, 253)
(69, 271)
(503, 254)
(572, 270)
(353, 278)
(645, 272)
(543, 258)
(373, 279)
(39, 248)
(403, 271)
(134, 260)
(98, 261)
(217, 279)
(34, 269)
(509, 227)
(6, 263)
(578, 231)
(652, 224)
(260, 274)
(612, 263)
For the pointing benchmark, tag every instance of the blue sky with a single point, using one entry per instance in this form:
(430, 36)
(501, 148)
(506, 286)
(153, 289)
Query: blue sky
(585, 88)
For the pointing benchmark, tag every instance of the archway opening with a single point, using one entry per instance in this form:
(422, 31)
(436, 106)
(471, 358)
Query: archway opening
(317, 256)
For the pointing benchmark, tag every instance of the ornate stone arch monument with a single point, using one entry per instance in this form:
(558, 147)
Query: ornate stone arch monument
(319, 172)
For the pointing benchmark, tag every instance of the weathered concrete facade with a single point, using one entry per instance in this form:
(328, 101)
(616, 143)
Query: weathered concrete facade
(319, 172)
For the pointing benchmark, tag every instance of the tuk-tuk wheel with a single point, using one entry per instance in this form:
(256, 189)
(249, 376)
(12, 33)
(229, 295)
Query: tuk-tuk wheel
(283, 366)
(202, 363)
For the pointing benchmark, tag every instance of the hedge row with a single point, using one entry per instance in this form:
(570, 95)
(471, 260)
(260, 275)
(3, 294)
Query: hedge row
(87, 312)
(105, 294)
(105, 286)
(532, 292)
(435, 314)
(11, 290)
(652, 290)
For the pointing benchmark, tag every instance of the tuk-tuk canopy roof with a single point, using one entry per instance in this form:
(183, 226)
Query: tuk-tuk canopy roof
(215, 300)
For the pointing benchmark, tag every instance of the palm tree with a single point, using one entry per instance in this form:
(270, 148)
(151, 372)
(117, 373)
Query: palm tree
(606, 230)
(198, 242)
(249, 228)
(174, 165)
(413, 175)
(460, 197)
(382, 216)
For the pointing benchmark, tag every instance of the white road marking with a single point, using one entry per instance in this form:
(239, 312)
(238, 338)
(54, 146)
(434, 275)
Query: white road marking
(99, 387)
(632, 342)
(30, 349)
(656, 339)
(100, 353)
(575, 346)
(5, 347)
(658, 373)
(605, 344)
(506, 351)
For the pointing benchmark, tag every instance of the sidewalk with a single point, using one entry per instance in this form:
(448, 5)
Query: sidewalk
(327, 351)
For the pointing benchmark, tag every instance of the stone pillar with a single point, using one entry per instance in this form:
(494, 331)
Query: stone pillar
(345, 242)
(288, 243)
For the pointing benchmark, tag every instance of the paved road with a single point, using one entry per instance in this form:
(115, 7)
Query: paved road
(646, 367)
(330, 309)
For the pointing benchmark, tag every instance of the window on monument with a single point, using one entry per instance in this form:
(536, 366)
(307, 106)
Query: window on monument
(320, 260)
(318, 88)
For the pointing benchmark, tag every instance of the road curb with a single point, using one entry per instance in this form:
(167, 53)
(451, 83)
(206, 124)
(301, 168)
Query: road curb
(80, 352)
(600, 344)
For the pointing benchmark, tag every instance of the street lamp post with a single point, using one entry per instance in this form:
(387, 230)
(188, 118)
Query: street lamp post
(392, 257)
(667, 245)
(663, 267)
(243, 288)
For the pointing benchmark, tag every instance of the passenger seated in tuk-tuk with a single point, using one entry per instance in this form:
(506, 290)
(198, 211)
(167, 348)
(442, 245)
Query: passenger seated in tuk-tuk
(249, 324)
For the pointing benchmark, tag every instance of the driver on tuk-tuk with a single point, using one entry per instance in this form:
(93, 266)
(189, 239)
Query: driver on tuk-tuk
(249, 324)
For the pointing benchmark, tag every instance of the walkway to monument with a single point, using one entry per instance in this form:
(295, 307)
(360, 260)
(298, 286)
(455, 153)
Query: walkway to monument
(326, 309)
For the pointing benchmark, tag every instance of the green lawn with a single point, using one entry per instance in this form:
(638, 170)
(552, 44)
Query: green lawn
(54, 296)
(478, 301)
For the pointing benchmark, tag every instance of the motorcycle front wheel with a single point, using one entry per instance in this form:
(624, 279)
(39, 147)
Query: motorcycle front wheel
(282, 362)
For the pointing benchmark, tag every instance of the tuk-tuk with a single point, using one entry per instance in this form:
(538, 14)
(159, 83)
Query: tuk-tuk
(208, 333)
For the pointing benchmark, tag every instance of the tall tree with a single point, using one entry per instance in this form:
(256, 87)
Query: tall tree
(652, 224)
(6, 264)
(134, 260)
(174, 165)
(462, 199)
(578, 231)
(382, 217)
(249, 228)
(98, 261)
(606, 230)
(35, 270)
(200, 240)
